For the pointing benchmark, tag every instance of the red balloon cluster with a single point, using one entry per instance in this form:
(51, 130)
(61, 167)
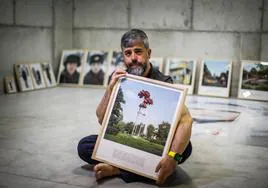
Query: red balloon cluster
(146, 99)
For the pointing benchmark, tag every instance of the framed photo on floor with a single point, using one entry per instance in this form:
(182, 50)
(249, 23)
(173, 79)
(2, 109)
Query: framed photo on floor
(71, 66)
(24, 78)
(96, 69)
(117, 61)
(158, 62)
(135, 132)
(215, 78)
(37, 76)
(182, 72)
(253, 82)
(48, 74)
(10, 85)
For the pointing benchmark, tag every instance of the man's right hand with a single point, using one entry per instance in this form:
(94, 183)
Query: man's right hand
(118, 73)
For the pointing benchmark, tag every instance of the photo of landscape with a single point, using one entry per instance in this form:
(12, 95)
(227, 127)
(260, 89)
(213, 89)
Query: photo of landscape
(137, 119)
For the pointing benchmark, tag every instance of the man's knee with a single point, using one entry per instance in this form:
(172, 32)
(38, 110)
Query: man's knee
(85, 147)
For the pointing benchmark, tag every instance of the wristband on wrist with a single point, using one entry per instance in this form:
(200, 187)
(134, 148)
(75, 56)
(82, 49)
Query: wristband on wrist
(175, 156)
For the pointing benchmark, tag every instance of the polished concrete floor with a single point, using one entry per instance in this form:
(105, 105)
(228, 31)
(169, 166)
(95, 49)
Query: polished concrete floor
(39, 132)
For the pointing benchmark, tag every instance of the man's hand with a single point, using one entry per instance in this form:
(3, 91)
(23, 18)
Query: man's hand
(118, 73)
(165, 168)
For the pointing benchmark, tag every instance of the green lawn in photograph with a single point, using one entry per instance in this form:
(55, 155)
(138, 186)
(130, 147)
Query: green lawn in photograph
(138, 143)
(260, 87)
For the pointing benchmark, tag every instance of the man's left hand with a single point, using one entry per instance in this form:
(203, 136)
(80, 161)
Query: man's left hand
(165, 168)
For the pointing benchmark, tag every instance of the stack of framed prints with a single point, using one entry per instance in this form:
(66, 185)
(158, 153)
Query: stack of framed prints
(24, 78)
(215, 78)
(34, 76)
(253, 83)
(158, 62)
(10, 85)
(135, 133)
(182, 72)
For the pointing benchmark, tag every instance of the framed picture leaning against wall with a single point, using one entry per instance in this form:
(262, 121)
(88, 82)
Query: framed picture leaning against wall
(182, 72)
(253, 82)
(24, 78)
(215, 78)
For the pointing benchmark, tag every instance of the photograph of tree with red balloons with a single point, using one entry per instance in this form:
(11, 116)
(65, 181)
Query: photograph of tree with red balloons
(141, 117)
(139, 124)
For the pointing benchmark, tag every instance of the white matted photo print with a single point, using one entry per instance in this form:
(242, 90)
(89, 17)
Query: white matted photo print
(95, 69)
(48, 74)
(10, 85)
(253, 83)
(135, 133)
(158, 63)
(182, 72)
(71, 65)
(24, 78)
(215, 78)
(37, 76)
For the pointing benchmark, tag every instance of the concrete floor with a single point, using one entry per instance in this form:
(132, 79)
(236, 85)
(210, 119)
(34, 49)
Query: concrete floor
(39, 132)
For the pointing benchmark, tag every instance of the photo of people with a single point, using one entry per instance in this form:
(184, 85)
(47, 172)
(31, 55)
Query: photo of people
(136, 120)
(255, 76)
(94, 70)
(117, 62)
(71, 66)
(48, 73)
(24, 78)
(181, 71)
(10, 86)
(37, 75)
(215, 73)
(157, 62)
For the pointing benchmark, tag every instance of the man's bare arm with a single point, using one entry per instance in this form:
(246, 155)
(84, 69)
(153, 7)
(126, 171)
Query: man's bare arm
(180, 140)
(102, 107)
(183, 132)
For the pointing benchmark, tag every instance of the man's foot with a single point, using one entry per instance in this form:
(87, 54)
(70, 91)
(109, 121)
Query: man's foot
(104, 170)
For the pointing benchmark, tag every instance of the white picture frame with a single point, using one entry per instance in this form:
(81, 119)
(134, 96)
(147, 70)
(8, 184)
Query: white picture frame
(215, 78)
(141, 150)
(182, 72)
(73, 77)
(158, 62)
(48, 74)
(23, 76)
(37, 76)
(95, 69)
(10, 84)
(252, 85)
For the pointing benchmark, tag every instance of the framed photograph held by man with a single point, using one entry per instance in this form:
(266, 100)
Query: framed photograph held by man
(139, 124)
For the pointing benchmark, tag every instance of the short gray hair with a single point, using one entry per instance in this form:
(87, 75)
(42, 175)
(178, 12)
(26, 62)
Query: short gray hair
(133, 35)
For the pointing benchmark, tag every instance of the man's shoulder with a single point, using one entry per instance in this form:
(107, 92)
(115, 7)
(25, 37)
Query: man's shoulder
(157, 75)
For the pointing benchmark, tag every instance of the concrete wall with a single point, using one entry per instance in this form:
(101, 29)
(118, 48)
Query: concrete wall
(33, 30)
(213, 29)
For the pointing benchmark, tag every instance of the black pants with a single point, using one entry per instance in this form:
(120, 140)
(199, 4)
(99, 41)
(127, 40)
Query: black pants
(85, 150)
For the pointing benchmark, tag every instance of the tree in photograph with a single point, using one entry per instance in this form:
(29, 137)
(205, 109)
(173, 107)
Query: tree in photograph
(145, 95)
(116, 115)
(150, 132)
(129, 127)
(163, 130)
